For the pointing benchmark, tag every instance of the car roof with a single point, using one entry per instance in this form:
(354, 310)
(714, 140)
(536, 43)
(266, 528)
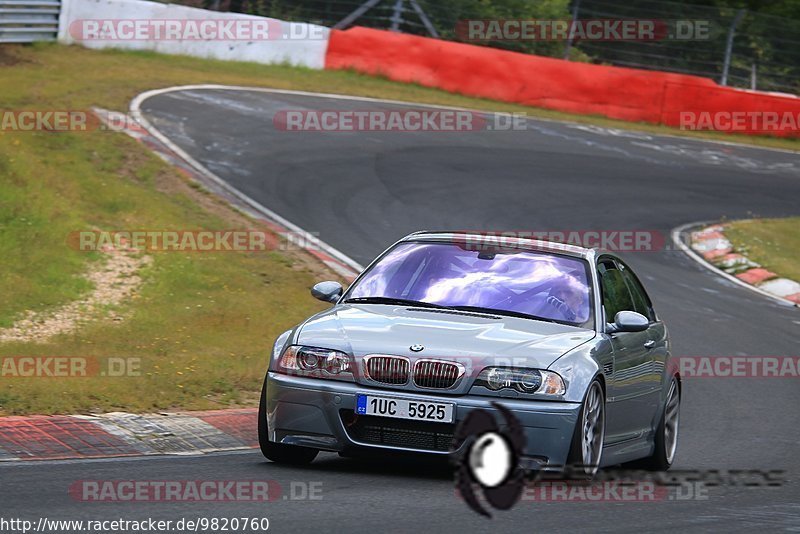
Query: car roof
(504, 239)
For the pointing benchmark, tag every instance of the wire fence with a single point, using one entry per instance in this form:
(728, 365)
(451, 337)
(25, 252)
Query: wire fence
(762, 51)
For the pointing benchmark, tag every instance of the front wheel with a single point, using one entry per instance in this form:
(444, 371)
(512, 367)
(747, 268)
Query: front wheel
(587, 441)
(667, 431)
(279, 452)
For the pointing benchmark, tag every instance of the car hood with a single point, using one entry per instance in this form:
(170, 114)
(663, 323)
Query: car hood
(361, 329)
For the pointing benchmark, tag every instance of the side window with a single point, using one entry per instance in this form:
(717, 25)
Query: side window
(641, 302)
(616, 297)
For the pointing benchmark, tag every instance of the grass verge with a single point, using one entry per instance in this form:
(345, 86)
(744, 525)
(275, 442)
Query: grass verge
(201, 325)
(772, 243)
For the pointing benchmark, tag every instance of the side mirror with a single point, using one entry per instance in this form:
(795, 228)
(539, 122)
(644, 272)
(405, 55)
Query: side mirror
(629, 321)
(327, 291)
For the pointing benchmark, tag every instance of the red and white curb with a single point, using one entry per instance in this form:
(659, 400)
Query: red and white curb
(62, 437)
(712, 245)
(139, 128)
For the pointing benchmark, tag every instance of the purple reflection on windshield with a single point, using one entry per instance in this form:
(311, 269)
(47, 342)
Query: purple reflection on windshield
(534, 283)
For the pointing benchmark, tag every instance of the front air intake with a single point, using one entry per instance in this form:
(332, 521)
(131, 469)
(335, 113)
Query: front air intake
(391, 370)
(436, 374)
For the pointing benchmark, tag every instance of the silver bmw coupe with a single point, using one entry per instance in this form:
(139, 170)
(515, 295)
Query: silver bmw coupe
(441, 324)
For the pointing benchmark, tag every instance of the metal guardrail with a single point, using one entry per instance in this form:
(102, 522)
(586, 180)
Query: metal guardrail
(26, 21)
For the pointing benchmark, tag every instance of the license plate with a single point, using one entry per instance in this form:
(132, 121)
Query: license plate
(440, 412)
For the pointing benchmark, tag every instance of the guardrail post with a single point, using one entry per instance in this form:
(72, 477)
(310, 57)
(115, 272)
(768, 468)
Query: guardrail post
(397, 16)
(352, 17)
(575, 9)
(726, 65)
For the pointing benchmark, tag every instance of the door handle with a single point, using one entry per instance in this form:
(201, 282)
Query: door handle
(649, 344)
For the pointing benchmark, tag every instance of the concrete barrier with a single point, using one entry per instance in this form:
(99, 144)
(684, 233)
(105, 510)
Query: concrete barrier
(293, 43)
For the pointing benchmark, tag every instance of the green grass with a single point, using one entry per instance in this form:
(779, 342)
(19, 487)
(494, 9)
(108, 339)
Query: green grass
(773, 243)
(203, 323)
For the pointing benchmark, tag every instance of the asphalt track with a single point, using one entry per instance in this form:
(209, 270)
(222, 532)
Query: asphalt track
(361, 191)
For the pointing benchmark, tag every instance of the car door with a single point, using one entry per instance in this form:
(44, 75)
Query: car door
(658, 348)
(628, 386)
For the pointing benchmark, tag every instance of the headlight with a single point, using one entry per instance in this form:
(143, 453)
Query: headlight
(315, 361)
(522, 380)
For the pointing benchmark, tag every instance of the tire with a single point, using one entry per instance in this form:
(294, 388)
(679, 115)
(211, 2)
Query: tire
(279, 452)
(666, 439)
(581, 465)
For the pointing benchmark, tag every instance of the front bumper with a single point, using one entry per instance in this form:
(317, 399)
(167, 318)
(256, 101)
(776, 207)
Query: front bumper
(317, 413)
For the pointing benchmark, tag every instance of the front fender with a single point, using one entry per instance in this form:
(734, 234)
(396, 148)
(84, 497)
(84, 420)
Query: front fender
(581, 365)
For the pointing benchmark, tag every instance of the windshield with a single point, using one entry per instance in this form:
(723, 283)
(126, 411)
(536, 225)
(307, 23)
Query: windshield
(536, 284)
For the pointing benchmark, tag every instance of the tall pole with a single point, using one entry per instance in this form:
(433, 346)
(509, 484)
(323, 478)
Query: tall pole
(575, 9)
(726, 65)
(425, 20)
(352, 17)
(397, 16)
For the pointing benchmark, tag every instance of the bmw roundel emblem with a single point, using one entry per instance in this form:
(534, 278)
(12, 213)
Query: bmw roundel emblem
(416, 348)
